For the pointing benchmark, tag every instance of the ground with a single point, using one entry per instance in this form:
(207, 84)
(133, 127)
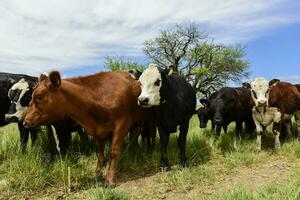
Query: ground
(219, 169)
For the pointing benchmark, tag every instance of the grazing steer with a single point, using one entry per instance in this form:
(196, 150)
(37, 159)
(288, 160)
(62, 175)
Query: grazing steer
(274, 101)
(205, 113)
(104, 104)
(174, 102)
(20, 96)
(232, 104)
(6, 82)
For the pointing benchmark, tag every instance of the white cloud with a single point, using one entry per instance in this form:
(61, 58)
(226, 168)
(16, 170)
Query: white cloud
(292, 79)
(37, 36)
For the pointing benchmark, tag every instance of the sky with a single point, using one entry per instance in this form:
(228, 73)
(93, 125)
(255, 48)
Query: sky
(75, 36)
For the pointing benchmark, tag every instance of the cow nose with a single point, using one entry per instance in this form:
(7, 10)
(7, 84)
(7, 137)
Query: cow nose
(143, 101)
(25, 124)
(218, 120)
(10, 118)
(262, 103)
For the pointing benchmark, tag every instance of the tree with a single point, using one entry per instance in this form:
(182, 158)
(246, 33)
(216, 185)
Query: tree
(205, 64)
(120, 63)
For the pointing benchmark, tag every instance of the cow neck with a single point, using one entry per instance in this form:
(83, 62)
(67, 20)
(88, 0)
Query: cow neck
(77, 102)
(262, 111)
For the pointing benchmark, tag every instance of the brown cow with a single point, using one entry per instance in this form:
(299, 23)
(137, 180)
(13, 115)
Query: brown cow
(274, 101)
(104, 104)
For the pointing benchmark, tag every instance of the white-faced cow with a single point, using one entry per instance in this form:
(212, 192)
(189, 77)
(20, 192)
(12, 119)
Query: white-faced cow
(274, 102)
(174, 102)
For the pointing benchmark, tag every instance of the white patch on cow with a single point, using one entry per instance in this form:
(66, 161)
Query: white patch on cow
(263, 118)
(258, 142)
(260, 91)
(150, 90)
(297, 118)
(23, 86)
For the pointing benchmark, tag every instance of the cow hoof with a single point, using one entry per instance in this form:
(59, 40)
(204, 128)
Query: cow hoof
(99, 176)
(165, 169)
(257, 150)
(109, 182)
(184, 164)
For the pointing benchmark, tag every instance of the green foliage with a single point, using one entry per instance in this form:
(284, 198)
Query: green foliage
(107, 194)
(207, 65)
(120, 63)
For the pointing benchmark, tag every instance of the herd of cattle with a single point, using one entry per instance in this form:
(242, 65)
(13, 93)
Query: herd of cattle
(108, 105)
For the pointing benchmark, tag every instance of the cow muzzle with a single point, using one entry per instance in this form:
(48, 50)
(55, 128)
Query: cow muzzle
(143, 101)
(11, 118)
(262, 103)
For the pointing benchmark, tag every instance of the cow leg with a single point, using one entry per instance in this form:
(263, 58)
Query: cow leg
(33, 135)
(164, 140)
(24, 134)
(276, 129)
(118, 137)
(152, 134)
(213, 125)
(238, 130)
(218, 130)
(225, 127)
(259, 131)
(182, 142)
(297, 118)
(101, 158)
(51, 143)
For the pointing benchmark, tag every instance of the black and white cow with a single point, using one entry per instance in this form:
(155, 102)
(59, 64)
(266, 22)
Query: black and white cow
(6, 82)
(174, 102)
(20, 95)
(274, 102)
(205, 112)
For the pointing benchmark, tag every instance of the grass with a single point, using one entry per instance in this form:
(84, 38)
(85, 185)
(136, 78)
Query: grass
(34, 175)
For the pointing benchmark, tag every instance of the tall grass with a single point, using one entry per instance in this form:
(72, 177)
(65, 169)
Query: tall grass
(33, 172)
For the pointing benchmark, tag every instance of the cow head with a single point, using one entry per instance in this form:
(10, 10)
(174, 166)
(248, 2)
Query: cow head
(151, 82)
(260, 90)
(45, 102)
(203, 112)
(20, 96)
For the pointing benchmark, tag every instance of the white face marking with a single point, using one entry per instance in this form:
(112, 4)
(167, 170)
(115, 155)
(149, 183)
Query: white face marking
(22, 86)
(260, 91)
(150, 84)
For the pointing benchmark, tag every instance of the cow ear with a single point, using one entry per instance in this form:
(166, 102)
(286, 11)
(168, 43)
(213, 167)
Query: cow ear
(273, 82)
(42, 77)
(11, 82)
(205, 102)
(134, 73)
(55, 78)
(246, 85)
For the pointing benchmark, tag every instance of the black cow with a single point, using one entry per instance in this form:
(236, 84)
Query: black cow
(205, 111)
(6, 82)
(20, 95)
(173, 100)
(232, 104)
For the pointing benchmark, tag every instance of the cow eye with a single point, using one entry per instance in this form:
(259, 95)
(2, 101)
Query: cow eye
(39, 99)
(254, 94)
(157, 82)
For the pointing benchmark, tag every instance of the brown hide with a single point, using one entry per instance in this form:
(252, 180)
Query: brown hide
(285, 97)
(104, 104)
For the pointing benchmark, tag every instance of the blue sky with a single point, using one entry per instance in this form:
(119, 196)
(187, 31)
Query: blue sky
(75, 37)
